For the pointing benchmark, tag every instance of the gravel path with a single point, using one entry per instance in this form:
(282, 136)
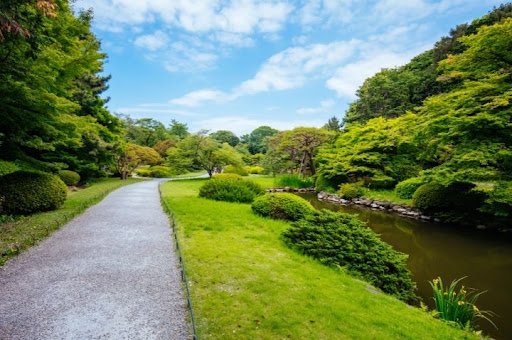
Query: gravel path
(111, 273)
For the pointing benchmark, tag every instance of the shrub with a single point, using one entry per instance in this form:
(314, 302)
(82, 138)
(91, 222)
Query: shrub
(231, 169)
(254, 169)
(351, 190)
(7, 167)
(160, 171)
(283, 206)
(453, 202)
(339, 239)
(143, 172)
(233, 177)
(230, 190)
(406, 189)
(294, 181)
(499, 200)
(25, 192)
(325, 184)
(380, 182)
(69, 177)
(459, 307)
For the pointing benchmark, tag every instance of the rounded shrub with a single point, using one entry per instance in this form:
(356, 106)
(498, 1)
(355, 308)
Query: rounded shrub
(254, 169)
(233, 177)
(26, 192)
(230, 190)
(380, 182)
(284, 206)
(160, 171)
(231, 169)
(143, 172)
(351, 190)
(69, 177)
(339, 239)
(407, 188)
(429, 197)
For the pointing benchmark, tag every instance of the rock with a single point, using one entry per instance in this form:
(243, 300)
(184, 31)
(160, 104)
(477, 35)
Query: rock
(424, 217)
(374, 206)
(481, 227)
(437, 220)
(287, 189)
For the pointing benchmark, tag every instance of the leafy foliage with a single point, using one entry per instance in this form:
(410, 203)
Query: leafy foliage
(499, 200)
(294, 181)
(338, 239)
(230, 190)
(7, 167)
(351, 190)
(225, 136)
(407, 188)
(239, 170)
(256, 140)
(254, 169)
(283, 206)
(25, 192)
(69, 177)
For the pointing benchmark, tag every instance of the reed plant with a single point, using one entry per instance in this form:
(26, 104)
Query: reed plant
(458, 305)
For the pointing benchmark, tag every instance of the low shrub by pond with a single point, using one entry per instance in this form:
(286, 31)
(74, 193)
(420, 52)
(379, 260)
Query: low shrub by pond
(350, 191)
(27, 192)
(294, 181)
(407, 188)
(230, 190)
(339, 239)
(69, 177)
(284, 206)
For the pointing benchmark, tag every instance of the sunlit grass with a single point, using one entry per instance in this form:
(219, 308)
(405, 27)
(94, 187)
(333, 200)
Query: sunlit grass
(246, 284)
(19, 233)
(387, 195)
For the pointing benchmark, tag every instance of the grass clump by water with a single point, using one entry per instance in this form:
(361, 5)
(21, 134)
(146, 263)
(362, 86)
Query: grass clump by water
(458, 305)
(294, 181)
(18, 233)
(230, 190)
(247, 284)
(338, 239)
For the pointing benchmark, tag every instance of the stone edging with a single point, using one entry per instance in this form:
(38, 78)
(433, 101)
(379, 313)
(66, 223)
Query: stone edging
(288, 189)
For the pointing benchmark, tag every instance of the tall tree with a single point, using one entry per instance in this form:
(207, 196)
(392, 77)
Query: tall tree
(257, 139)
(225, 136)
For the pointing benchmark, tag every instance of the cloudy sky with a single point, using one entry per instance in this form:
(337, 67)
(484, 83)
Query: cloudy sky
(239, 64)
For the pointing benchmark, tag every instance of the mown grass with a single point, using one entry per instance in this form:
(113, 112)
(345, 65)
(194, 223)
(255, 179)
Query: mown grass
(20, 233)
(246, 284)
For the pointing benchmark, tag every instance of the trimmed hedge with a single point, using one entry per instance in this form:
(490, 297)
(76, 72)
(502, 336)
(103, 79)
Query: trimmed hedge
(254, 169)
(230, 190)
(284, 206)
(407, 188)
(69, 177)
(351, 190)
(26, 192)
(338, 239)
(158, 171)
(233, 177)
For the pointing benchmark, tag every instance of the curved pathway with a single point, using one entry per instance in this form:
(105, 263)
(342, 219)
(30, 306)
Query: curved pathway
(111, 273)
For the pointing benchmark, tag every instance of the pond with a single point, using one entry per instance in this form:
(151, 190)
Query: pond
(449, 252)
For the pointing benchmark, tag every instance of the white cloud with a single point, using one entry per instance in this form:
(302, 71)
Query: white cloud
(324, 106)
(152, 42)
(325, 12)
(199, 97)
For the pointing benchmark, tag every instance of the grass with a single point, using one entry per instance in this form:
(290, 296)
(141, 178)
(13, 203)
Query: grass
(21, 232)
(246, 284)
(189, 175)
(387, 195)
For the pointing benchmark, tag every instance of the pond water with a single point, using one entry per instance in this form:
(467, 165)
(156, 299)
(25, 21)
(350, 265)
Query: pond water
(449, 252)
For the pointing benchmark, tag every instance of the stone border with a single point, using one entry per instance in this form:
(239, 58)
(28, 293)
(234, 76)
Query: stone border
(293, 190)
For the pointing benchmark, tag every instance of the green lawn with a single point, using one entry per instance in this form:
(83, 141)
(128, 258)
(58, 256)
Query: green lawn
(246, 284)
(19, 233)
(387, 195)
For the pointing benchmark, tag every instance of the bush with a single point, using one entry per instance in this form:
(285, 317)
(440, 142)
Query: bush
(143, 172)
(69, 177)
(231, 169)
(283, 206)
(7, 167)
(254, 169)
(160, 171)
(351, 190)
(452, 202)
(325, 184)
(380, 182)
(294, 181)
(230, 190)
(26, 192)
(233, 177)
(407, 188)
(499, 200)
(338, 239)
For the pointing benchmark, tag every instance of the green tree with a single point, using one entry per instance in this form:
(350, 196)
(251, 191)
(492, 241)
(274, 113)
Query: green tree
(257, 139)
(225, 136)
(177, 129)
(202, 152)
(333, 124)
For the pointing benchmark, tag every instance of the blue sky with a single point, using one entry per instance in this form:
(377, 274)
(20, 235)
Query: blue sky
(239, 64)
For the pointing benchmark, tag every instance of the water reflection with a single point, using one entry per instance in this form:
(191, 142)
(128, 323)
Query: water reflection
(450, 252)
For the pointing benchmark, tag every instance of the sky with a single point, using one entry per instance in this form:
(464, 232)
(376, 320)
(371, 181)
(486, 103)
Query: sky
(239, 64)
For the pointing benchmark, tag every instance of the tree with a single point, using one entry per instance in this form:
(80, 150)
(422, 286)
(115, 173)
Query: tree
(225, 136)
(257, 139)
(333, 124)
(164, 145)
(130, 156)
(145, 131)
(177, 129)
(202, 152)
